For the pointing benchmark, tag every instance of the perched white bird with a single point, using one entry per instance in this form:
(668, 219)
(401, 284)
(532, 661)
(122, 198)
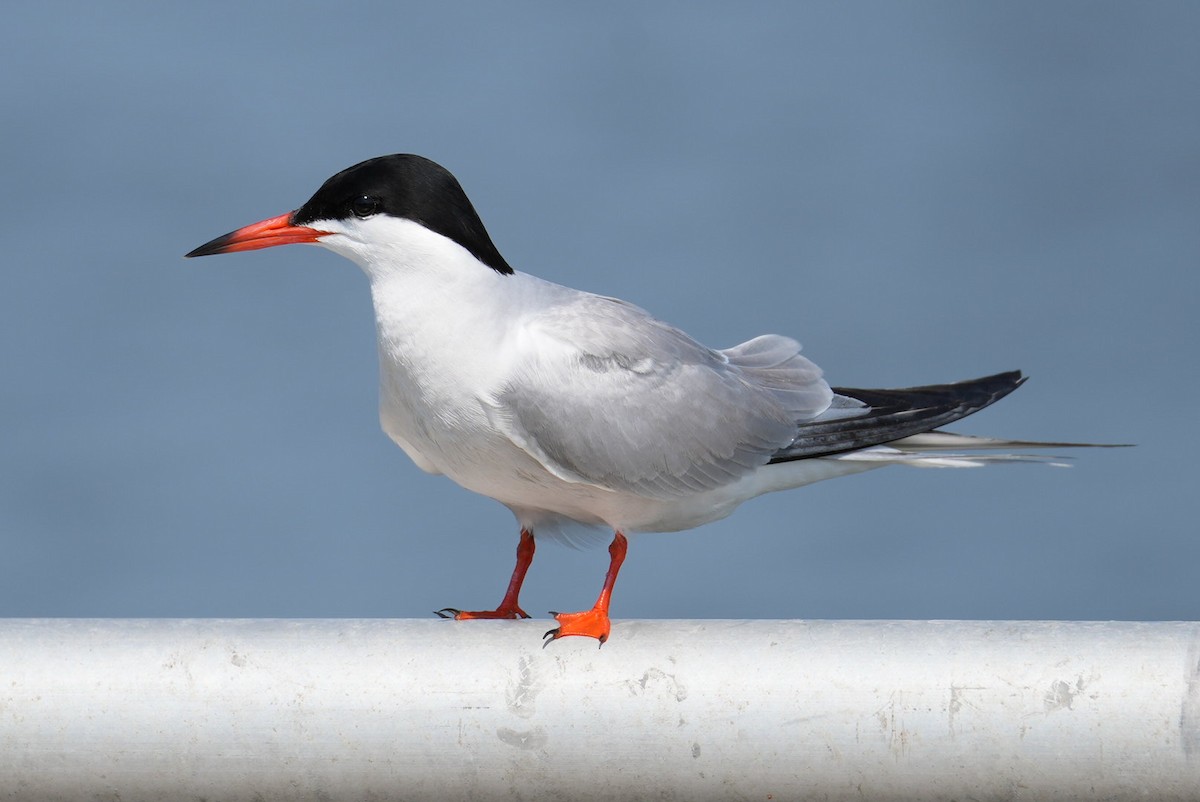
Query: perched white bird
(574, 408)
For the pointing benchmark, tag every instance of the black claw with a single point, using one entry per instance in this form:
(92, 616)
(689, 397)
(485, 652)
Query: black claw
(555, 613)
(442, 612)
(552, 633)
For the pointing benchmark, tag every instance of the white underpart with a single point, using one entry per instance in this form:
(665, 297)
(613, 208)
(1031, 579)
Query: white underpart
(508, 384)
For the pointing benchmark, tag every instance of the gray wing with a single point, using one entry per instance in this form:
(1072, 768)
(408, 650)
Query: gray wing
(606, 395)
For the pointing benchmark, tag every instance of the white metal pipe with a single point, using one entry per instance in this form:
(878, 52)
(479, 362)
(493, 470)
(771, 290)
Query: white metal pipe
(688, 710)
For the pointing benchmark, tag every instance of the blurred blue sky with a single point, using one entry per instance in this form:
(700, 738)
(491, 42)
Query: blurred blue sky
(918, 192)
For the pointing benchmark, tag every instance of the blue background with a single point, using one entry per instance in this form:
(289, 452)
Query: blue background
(918, 192)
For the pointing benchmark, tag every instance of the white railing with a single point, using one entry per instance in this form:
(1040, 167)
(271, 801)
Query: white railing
(687, 710)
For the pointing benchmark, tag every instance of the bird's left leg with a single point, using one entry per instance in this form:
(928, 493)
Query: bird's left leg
(594, 623)
(509, 608)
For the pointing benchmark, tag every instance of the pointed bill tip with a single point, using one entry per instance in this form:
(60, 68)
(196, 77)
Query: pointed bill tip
(213, 246)
(263, 234)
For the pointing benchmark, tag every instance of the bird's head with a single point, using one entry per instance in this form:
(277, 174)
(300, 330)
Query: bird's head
(374, 212)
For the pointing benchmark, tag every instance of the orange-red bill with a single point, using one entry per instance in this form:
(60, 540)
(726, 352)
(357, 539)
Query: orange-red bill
(263, 234)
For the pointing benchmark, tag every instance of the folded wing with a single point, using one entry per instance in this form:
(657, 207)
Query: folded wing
(606, 395)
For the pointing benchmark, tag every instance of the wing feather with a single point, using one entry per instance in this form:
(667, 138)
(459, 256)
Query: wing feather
(603, 393)
(863, 418)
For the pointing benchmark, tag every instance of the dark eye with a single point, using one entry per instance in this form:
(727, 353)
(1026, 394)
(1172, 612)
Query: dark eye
(364, 206)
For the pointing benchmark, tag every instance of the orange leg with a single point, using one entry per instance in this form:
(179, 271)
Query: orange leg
(594, 623)
(508, 606)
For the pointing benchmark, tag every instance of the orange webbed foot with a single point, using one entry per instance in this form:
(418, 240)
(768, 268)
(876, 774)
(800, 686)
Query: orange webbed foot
(591, 623)
(512, 612)
(508, 605)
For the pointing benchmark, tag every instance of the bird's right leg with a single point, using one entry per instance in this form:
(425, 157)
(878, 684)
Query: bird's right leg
(509, 608)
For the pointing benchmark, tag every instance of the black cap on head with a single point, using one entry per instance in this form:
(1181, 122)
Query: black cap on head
(408, 187)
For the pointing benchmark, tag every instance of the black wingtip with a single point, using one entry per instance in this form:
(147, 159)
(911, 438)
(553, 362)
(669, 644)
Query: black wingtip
(1014, 377)
(896, 414)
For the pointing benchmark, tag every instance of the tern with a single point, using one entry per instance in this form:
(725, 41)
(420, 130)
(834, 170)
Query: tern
(573, 408)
